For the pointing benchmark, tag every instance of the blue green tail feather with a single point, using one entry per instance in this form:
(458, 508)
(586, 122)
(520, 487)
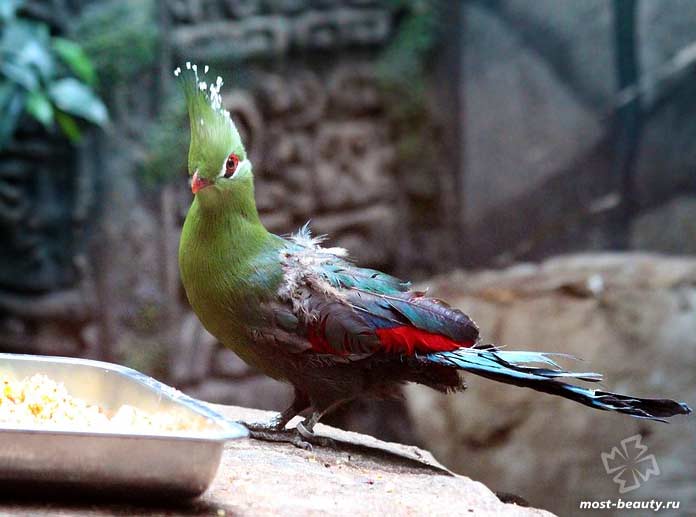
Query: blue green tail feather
(518, 368)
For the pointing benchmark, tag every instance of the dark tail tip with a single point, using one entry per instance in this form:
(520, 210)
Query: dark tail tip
(654, 409)
(683, 408)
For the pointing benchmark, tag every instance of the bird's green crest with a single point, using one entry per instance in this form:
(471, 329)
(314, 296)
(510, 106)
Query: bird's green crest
(213, 134)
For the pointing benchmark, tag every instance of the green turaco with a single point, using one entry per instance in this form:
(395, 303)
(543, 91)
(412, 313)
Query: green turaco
(306, 315)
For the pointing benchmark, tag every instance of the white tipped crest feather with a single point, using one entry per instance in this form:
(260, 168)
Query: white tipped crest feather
(211, 90)
(213, 133)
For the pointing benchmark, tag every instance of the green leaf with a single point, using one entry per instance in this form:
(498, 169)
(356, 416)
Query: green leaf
(21, 75)
(39, 107)
(73, 56)
(76, 98)
(69, 126)
(26, 44)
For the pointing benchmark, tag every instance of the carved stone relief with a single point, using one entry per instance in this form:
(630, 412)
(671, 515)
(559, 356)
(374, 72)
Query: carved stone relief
(244, 29)
(41, 205)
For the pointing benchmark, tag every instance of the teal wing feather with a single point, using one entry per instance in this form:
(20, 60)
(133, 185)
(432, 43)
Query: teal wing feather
(349, 311)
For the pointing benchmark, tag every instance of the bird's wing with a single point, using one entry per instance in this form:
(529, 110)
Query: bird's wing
(346, 311)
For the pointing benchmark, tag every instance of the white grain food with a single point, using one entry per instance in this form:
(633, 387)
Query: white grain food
(38, 401)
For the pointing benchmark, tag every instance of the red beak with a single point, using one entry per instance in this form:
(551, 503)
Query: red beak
(198, 183)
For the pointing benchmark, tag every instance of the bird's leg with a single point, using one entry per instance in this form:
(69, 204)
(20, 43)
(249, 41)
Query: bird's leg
(274, 431)
(279, 421)
(306, 429)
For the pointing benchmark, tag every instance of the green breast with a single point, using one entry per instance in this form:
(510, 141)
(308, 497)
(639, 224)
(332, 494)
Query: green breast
(229, 267)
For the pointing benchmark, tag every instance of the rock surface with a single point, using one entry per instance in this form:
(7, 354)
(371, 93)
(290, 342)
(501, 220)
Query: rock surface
(362, 476)
(631, 317)
(669, 228)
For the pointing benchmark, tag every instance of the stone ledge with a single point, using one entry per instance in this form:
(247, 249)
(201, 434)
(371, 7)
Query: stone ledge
(363, 476)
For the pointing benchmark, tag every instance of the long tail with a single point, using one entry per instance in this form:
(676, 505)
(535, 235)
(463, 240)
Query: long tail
(519, 368)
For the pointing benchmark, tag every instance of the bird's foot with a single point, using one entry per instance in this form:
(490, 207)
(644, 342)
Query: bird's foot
(307, 433)
(269, 434)
(274, 431)
(301, 437)
(274, 425)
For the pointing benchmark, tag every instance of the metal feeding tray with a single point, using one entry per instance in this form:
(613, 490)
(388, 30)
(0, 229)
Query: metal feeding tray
(178, 464)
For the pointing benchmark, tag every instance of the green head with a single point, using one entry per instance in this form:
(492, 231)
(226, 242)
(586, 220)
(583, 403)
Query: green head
(221, 176)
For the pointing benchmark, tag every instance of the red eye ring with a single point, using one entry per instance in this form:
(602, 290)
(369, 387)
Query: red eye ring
(231, 165)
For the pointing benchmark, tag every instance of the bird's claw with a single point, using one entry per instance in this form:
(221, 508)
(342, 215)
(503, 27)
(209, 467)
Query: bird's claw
(300, 437)
(272, 432)
(269, 434)
(312, 438)
(263, 427)
(302, 444)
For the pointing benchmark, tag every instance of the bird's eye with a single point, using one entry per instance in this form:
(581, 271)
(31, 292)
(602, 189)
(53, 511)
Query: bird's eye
(231, 165)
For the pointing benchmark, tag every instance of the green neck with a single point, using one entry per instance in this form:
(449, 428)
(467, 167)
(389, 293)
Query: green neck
(217, 255)
(217, 245)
